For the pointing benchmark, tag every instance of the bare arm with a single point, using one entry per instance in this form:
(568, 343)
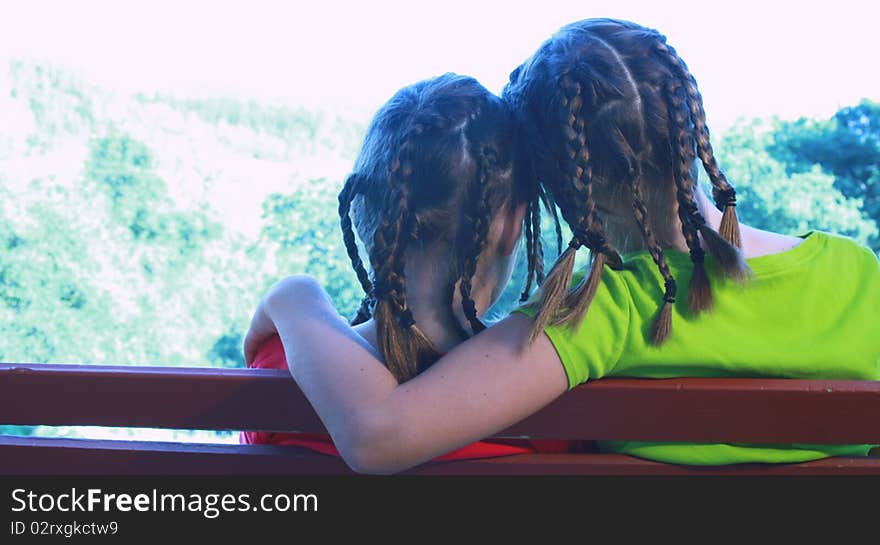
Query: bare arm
(481, 387)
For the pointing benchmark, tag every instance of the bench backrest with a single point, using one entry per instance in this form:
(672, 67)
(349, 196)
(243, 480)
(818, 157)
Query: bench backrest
(704, 410)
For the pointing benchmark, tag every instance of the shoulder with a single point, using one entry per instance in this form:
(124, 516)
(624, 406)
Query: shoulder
(846, 251)
(591, 348)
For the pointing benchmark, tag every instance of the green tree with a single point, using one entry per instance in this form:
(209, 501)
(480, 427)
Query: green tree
(775, 197)
(301, 234)
(847, 147)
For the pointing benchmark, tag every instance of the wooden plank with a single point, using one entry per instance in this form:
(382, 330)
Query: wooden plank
(51, 456)
(710, 410)
(157, 397)
(714, 410)
(55, 456)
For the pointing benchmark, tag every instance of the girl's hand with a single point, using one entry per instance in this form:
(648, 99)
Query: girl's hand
(261, 328)
(294, 294)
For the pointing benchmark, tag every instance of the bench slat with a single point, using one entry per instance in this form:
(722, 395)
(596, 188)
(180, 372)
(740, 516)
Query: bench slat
(51, 456)
(711, 410)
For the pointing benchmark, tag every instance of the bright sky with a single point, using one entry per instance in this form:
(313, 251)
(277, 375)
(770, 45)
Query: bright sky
(749, 57)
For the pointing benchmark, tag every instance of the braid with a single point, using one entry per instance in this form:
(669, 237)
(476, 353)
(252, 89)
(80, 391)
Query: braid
(682, 143)
(531, 257)
(723, 192)
(663, 323)
(534, 248)
(478, 222)
(540, 155)
(632, 179)
(729, 257)
(349, 190)
(558, 225)
(363, 313)
(578, 301)
(406, 349)
(538, 246)
(588, 229)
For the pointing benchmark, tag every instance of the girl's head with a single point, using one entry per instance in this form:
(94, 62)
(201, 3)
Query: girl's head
(614, 123)
(435, 170)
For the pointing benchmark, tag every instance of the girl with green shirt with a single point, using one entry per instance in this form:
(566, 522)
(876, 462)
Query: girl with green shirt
(612, 125)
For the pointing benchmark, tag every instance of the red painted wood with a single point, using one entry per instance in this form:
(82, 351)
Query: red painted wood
(160, 397)
(714, 410)
(50, 456)
(731, 410)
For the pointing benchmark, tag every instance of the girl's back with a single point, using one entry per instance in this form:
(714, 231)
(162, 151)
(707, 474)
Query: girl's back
(808, 312)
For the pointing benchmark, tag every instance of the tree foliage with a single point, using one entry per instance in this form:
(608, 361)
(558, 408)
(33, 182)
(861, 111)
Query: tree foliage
(846, 147)
(776, 197)
(114, 246)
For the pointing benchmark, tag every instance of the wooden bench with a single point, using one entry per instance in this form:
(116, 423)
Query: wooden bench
(705, 410)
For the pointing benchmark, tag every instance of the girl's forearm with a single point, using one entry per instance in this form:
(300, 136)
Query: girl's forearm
(481, 387)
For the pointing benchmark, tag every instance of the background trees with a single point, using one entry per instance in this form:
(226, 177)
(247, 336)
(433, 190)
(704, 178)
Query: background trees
(144, 229)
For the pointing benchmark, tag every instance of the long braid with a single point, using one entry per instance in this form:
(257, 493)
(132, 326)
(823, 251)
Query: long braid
(530, 254)
(534, 248)
(349, 191)
(588, 229)
(682, 142)
(558, 281)
(531, 258)
(723, 192)
(538, 246)
(577, 301)
(555, 214)
(540, 156)
(728, 256)
(478, 221)
(406, 349)
(663, 323)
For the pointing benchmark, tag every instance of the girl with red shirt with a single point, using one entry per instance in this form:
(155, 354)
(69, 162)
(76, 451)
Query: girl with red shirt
(440, 203)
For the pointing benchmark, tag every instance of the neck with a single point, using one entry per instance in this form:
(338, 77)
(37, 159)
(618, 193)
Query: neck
(707, 208)
(428, 287)
(628, 238)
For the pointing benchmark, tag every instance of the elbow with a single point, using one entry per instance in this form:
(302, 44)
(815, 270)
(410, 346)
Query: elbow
(368, 447)
(366, 463)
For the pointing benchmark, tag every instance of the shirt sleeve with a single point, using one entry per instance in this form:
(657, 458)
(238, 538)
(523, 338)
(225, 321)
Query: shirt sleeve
(591, 349)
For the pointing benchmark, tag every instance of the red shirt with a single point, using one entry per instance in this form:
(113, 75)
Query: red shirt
(271, 356)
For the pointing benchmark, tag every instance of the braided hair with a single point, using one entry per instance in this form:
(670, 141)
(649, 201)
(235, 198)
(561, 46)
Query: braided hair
(615, 121)
(436, 164)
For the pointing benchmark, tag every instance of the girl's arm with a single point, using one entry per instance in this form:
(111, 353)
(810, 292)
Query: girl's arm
(481, 387)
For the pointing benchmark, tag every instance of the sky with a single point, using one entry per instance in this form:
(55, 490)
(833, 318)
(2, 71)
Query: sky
(750, 58)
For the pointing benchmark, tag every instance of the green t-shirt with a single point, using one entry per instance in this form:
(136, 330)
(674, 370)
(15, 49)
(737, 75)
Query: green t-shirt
(809, 312)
